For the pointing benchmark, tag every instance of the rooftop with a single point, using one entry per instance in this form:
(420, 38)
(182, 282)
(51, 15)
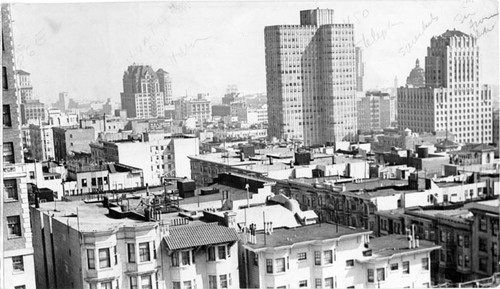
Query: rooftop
(491, 206)
(182, 237)
(279, 215)
(388, 246)
(305, 234)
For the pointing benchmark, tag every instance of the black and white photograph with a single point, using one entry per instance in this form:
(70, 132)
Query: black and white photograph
(250, 144)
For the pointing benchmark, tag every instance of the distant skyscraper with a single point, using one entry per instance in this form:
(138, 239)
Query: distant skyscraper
(141, 96)
(311, 79)
(16, 248)
(453, 99)
(62, 103)
(165, 86)
(416, 77)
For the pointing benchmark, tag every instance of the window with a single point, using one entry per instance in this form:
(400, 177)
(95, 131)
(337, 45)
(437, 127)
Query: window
(14, 226)
(303, 283)
(154, 251)
(280, 265)
(18, 263)
(144, 255)
(380, 274)
(106, 285)
(394, 266)
(185, 258)
(317, 258)
(5, 84)
(175, 259)
(211, 253)
(482, 244)
(466, 261)
(328, 256)
(7, 121)
(84, 183)
(176, 285)
(222, 252)
(146, 282)
(483, 264)
(8, 152)
(494, 227)
(187, 285)
(466, 241)
(302, 256)
(223, 281)
(20, 287)
(131, 252)
(104, 258)
(349, 263)
(425, 263)
(94, 182)
(370, 276)
(10, 187)
(317, 283)
(212, 282)
(406, 267)
(460, 259)
(329, 282)
(482, 224)
(91, 258)
(133, 282)
(460, 240)
(269, 266)
(426, 285)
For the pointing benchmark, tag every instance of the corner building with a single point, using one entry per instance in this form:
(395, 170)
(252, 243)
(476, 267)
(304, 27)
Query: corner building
(311, 79)
(16, 248)
(453, 99)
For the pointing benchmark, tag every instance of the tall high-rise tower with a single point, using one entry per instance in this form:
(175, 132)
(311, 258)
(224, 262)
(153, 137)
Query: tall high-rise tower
(16, 248)
(311, 79)
(454, 99)
(141, 96)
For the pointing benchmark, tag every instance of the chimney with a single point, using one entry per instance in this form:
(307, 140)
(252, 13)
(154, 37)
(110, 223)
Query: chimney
(230, 219)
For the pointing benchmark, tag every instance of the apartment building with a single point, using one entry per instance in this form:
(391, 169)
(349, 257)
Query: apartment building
(71, 139)
(16, 247)
(454, 99)
(198, 108)
(158, 155)
(122, 245)
(42, 142)
(333, 256)
(485, 237)
(311, 75)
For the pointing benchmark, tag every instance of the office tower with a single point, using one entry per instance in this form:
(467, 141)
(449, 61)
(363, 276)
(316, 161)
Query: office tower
(311, 79)
(16, 248)
(376, 111)
(62, 103)
(454, 99)
(416, 77)
(360, 69)
(165, 85)
(141, 96)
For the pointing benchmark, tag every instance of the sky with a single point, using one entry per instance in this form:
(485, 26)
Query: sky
(84, 48)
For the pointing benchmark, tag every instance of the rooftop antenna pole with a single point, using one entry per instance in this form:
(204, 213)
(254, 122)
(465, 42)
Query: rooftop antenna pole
(265, 233)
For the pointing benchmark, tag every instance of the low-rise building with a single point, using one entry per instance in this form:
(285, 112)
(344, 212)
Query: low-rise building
(71, 139)
(94, 246)
(333, 256)
(158, 155)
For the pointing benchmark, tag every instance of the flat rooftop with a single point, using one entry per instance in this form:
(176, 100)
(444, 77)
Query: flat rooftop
(93, 217)
(491, 206)
(396, 244)
(310, 233)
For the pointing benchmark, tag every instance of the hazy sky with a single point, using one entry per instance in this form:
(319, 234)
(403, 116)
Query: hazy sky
(84, 48)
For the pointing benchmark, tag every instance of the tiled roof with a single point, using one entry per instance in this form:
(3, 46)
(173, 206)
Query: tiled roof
(206, 234)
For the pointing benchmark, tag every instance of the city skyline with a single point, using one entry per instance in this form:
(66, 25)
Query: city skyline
(207, 46)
